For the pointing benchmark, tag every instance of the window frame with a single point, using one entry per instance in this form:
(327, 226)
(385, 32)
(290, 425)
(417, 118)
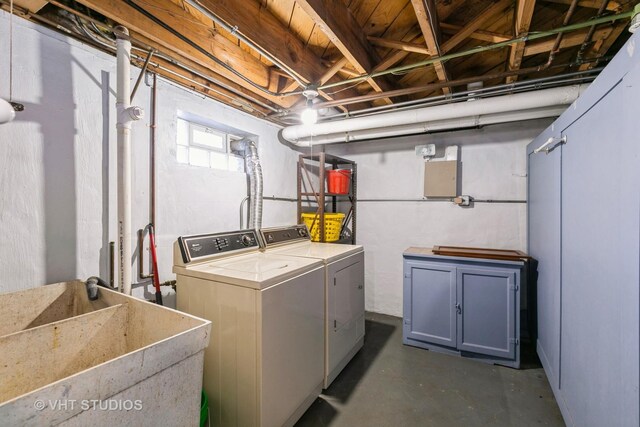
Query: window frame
(190, 126)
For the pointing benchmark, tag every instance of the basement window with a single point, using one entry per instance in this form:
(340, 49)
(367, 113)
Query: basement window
(208, 147)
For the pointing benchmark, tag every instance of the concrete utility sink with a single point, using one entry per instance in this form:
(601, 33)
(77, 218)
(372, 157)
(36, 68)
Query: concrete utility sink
(61, 353)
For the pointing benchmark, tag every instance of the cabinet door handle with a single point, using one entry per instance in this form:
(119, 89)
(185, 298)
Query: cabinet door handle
(547, 147)
(458, 308)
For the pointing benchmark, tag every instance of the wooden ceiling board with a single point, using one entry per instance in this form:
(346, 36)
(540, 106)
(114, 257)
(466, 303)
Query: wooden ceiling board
(467, 11)
(281, 9)
(383, 16)
(405, 21)
(446, 8)
(299, 34)
(490, 13)
(301, 24)
(362, 10)
(480, 64)
(417, 76)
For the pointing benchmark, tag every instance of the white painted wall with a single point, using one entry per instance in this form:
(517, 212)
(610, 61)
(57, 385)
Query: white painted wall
(493, 162)
(58, 176)
(58, 192)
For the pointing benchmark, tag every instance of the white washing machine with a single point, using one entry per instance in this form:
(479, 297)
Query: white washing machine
(344, 290)
(264, 365)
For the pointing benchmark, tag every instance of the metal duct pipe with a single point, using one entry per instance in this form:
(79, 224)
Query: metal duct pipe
(242, 203)
(255, 179)
(126, 114)
(424, 118)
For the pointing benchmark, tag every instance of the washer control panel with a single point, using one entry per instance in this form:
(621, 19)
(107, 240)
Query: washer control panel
(208, 245)
(282, 235)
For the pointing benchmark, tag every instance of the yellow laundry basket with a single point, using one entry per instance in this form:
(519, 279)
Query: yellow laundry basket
(332, 225)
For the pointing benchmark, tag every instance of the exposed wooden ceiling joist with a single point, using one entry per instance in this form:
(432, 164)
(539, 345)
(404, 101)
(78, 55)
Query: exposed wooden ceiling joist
(414, 37)
(400, 45)
(124, 14)
(487, 36)
(477, 22)
(265, 30)
(32, 6)
(523, 15)
(339, 24)
(428, 20)
(196, 67)
(613, 6)
(569, 40)
(326, 41)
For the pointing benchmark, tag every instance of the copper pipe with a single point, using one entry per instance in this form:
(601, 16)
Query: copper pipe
(592, 30)
(152, 151)
(556, 46)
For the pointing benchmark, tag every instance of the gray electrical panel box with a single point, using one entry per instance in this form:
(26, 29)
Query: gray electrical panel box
(441, 178)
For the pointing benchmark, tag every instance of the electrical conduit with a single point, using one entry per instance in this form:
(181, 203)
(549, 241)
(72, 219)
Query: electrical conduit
(126, 114)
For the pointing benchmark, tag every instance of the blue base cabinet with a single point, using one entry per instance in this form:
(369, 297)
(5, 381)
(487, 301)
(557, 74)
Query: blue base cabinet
(464, 306)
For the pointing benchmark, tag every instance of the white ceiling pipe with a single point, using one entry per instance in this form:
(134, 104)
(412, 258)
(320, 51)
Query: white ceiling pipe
(508, 103)
(439, 125)
(126, 114)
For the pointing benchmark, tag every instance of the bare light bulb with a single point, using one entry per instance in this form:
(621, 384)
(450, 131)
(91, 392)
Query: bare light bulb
(7, 112)
(309, 116)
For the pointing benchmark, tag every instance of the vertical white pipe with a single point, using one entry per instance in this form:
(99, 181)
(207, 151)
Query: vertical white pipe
(126, 114)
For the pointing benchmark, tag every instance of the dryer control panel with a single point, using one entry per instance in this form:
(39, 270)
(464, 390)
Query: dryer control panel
(194, 248)
(282, 235)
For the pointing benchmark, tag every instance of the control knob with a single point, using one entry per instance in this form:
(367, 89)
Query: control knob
(246, 240)
(302, 232)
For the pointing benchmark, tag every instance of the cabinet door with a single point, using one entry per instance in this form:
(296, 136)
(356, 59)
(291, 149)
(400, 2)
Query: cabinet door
(429, 303)
(600, 292)
(544, 247)
(487, 314)
(346, 307)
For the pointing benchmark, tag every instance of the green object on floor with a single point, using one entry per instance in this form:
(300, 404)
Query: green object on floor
(204, 409)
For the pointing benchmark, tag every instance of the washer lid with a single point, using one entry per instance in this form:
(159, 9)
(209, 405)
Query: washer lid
(328, 252)
(255, 270)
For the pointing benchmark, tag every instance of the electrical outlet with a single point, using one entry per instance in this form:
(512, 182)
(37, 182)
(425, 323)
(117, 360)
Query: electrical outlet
(462, 200)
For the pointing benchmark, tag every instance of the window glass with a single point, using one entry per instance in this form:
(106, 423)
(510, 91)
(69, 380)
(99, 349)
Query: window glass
(208, 138)
(203, 146)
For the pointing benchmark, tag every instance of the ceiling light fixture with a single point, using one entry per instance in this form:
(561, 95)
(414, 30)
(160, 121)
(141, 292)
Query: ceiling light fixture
(309, 115)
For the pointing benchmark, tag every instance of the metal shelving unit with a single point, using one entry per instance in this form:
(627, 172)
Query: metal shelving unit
(307, 166)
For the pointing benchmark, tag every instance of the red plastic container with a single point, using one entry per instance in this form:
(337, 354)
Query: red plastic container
(338, 181)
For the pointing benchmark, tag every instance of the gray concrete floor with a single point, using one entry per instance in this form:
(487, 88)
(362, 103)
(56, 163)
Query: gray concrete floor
(390, 384)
